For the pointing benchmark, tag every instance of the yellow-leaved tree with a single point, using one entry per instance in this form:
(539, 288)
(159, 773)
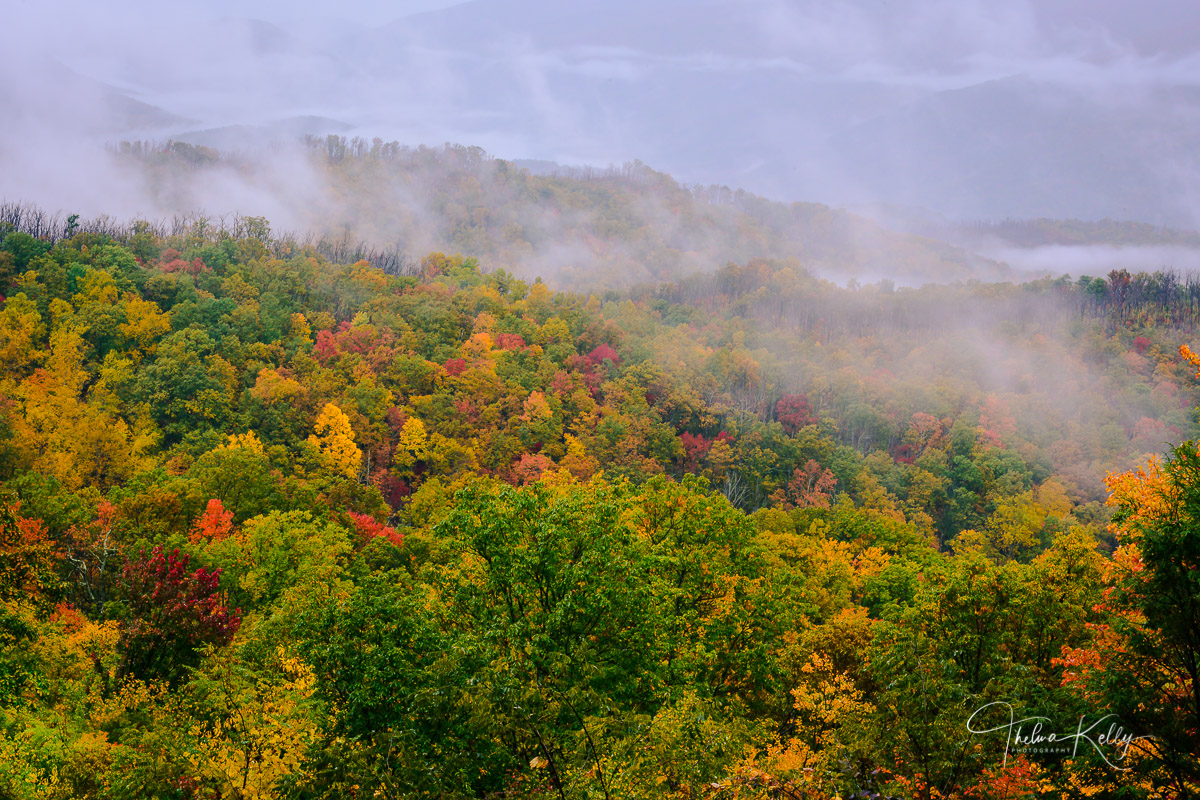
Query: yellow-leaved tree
(259, 731)
(66, 430)
(334, 441)
(413, 438)
(411, 446)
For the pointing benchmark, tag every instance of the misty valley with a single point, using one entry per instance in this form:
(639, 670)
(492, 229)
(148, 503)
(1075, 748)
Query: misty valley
(601, 504)
(765, 400)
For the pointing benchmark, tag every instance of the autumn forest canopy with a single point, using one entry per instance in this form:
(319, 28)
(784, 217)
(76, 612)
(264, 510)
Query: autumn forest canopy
(585, 484)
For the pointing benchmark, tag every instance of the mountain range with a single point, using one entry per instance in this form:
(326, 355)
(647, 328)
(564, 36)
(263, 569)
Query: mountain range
(1059, 110)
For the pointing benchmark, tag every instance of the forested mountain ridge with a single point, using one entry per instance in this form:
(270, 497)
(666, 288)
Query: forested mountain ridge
(277, 525)
(580, 228)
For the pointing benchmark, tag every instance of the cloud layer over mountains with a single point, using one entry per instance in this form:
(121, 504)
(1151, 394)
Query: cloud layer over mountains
(972, 109)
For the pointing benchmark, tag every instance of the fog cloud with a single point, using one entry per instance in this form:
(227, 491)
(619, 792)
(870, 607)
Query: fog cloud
(970, 108)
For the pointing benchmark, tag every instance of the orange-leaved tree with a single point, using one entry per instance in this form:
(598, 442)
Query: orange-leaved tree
(1144, 661)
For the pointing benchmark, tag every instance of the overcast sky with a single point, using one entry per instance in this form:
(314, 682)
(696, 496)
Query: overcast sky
(938, 34)
(69, 13)
(981, 107)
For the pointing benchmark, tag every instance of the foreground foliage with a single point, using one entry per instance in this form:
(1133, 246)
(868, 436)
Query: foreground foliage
(274, 526)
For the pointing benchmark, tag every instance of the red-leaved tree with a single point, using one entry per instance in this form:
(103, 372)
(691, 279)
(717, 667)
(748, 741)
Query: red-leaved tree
(367, 529)
(172, 612)
(794, 412)
(811, 486)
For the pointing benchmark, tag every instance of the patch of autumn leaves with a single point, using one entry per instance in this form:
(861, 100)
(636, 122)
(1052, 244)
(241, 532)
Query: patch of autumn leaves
(368, 529)
(263, 730)
(27, 556)
(811, 486)
(1144, 494)
(214, 525)
(173, 611)
(1190, 357)
(333, 441)
(1143, 652)
(1017, 778)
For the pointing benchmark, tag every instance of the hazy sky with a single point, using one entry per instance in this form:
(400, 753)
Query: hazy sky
(974, 108)
(67, 12)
